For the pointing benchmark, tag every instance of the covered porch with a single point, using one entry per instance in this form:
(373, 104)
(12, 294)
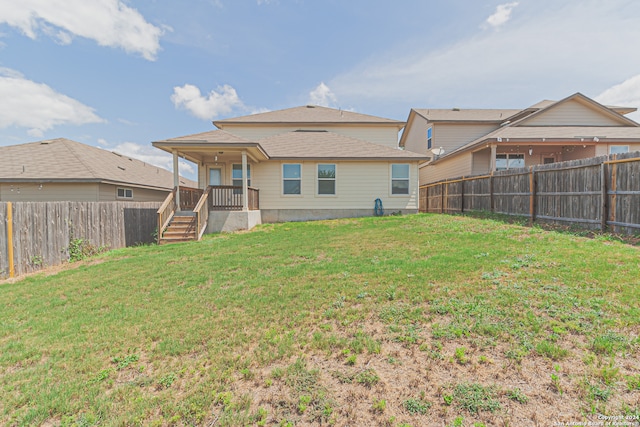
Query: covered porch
(225, 199)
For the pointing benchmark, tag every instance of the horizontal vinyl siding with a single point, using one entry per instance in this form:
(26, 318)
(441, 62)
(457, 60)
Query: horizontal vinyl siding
(108, 194)
(358, 184)
(415, 139)
(571, 113)
(451, 136)
(50, 192)
(384, 135)
(452, 168)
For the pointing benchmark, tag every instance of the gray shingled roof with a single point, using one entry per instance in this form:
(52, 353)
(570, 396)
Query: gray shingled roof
(64, 160)
(329, 145)
(309, 114)
(466, 115)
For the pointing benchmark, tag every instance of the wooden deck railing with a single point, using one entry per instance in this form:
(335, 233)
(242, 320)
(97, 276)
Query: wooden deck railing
(189, 198)
(202, 213)
(229, 198)
(165, 213)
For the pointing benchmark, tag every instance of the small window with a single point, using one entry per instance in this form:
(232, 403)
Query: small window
(400, 179)
(125, 193)
(291, 178)
(236, 175)
(509, 161)
(327, 179)
(429, 138)
(617, 149)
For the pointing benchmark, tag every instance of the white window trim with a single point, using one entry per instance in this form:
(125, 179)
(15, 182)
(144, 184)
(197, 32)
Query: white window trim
(335, 181)
(282, 179)
(124, 189)
(248, 173)
(508, 155)
(391, 194)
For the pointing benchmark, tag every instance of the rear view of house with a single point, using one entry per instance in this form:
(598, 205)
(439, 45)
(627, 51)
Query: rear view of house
(301, 163)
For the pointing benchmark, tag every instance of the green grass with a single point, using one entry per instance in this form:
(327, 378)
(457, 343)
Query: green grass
(156, 334)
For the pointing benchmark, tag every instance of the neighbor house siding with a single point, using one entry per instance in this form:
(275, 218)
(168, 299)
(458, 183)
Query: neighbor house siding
(358, 184)
(454, 135)
(450, 168)
(572, 113)
(415, 139)
(481, 162)
(50, 192)
(384, 135)
(107, 193)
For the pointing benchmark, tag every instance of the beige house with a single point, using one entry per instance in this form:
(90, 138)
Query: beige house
(464, 142)
(297, 164)
(65, 170)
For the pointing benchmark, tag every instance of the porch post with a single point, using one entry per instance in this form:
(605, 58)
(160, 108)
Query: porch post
(176, 178)
(245, 183)
(492, 168)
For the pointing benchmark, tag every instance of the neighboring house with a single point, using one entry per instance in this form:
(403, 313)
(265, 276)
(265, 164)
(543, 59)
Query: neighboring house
(298, 164)
(65, 170)
(465, 142)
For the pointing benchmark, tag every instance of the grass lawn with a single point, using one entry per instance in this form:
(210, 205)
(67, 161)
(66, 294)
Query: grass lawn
(396, 321)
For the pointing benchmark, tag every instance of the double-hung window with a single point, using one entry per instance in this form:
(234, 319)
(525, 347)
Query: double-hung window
(429, 138)
(327, 179)
(291, 178)
(236, 177)
(400, 179)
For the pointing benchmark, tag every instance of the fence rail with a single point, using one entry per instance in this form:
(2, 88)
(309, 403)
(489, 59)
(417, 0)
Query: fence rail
(598, 193)
(42, 231)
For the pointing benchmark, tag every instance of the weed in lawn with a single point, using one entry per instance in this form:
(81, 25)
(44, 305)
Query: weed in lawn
(633, 382)
(609, 343)
(416, 406)
(379, 405)
(475, 397)
(517, 395)
(167, 380)
(460, 356)
(551, 350)
(367, 378)
(124, 361)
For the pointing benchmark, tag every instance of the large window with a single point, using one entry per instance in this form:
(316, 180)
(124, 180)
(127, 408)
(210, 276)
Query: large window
(429, 138)
(125, 193)
(509, 161)
(617, 149)
(400, 179)
(292, 178)
(236, 175)
(327, 179)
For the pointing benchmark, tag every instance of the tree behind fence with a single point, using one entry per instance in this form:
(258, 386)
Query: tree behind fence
(43, 231)
(597, 193)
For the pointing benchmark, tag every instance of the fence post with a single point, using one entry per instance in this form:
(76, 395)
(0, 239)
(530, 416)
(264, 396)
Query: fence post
(532, 195)
(604, 197)
(491, 201)
(462, 195)
(442, 197)
(12, 270)
(613, 188)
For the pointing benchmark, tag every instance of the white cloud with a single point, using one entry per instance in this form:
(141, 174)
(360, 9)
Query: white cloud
(38, 107)
(109, 22)
(323, 96)
(149, 154)
(223, 100)
(625, 94)
(552, 53)
(501, 15)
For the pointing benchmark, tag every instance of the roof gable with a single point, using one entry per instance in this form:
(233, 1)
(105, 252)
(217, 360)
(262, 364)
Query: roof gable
(309, 114)
(575, 110)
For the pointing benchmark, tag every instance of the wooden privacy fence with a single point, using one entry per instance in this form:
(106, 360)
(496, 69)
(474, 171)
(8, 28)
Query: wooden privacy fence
(598, 193)
(39, 233)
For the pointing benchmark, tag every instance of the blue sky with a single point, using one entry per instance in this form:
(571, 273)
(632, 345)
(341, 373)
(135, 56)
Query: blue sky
(119, 74)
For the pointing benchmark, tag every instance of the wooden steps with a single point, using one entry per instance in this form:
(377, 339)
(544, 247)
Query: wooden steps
(181, 229)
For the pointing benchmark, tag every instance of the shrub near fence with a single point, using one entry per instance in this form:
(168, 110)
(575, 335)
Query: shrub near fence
(43, 231)
(598, 193)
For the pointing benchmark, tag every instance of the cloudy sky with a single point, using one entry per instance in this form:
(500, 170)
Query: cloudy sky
(119, 74)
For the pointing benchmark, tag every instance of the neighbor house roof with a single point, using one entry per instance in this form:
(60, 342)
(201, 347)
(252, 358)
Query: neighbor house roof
(63, 160)
(466, 115)
(308, 115)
